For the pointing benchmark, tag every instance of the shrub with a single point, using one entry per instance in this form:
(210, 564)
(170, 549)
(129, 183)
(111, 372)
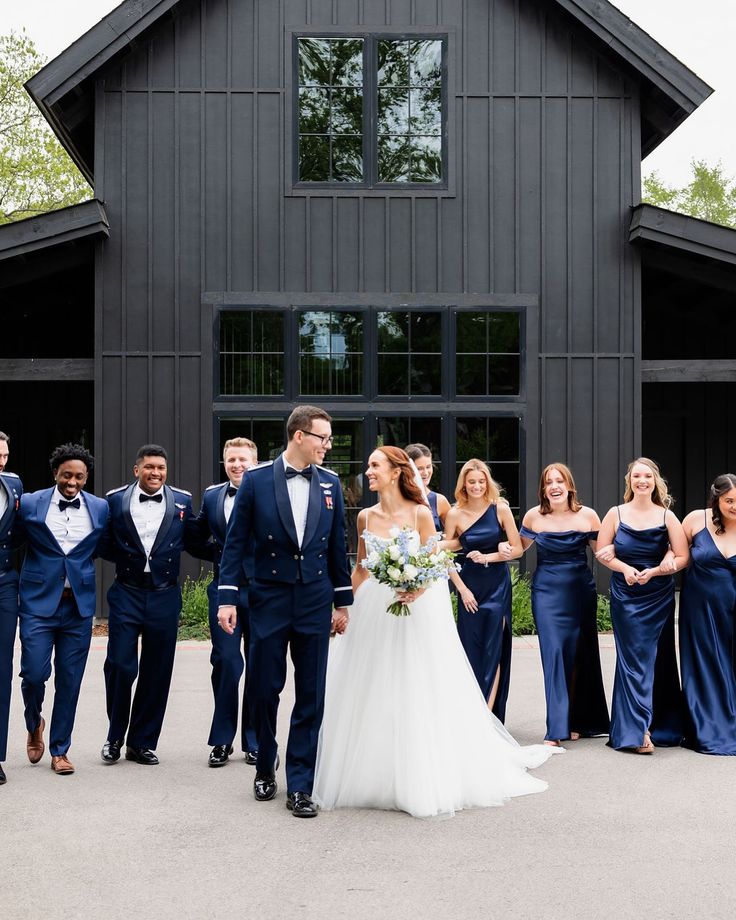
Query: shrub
(194, 622)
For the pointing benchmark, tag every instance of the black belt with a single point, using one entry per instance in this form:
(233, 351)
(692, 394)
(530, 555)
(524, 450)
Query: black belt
(145, 583)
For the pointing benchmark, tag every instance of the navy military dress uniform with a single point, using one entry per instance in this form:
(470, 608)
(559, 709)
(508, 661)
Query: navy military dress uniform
(11, 489)
(291, 596)
(144, 601)
(227, 650)
(58, 598)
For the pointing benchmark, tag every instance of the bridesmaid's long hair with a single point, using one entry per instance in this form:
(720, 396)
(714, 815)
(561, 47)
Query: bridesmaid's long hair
(572, 493)
(400, 461)
(721, 485)
(493, 490)
(660, 495)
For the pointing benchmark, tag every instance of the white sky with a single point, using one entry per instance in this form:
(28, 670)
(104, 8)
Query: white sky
(699, 34)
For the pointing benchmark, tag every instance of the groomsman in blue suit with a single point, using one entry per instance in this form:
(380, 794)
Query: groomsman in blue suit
(239, 455)
(291, 512)
(150, 524)
(11, 489)
(62, 528)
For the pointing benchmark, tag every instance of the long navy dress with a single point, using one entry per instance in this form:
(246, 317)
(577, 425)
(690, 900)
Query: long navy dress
(486, 635)
(564, 604)
(646, 690)
(707, 608)
(432, 499)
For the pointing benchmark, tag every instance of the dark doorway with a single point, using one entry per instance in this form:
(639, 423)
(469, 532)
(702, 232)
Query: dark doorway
(38, 417)
(687, 431)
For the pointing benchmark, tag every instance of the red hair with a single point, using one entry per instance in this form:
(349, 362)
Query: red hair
(400, 461)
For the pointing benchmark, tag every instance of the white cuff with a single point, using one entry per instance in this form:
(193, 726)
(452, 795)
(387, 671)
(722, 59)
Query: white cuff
(227, 588)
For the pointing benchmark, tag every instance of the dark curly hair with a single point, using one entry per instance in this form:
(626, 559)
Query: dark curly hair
(66, 452)
(721, 485)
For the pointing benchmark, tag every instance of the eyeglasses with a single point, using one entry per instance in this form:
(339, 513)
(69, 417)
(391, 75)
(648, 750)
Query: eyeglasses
(325, 441)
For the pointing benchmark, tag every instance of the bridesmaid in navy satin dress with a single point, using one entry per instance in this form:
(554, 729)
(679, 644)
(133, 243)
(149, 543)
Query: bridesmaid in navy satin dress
(647, 701)
(438, 504)
(564, 603)
(481, 520)
(707, 611)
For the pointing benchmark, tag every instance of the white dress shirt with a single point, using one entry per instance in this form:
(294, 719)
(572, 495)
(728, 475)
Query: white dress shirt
(298, 488)
(70, 526)
(147, 517)
(229, 502)
(3, 500)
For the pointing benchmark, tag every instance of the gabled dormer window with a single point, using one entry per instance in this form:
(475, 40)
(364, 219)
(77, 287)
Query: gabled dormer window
(370, 111)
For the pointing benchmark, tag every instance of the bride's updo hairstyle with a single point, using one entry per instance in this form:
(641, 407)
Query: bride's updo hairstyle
(493, 490)
(400, 461)
(721, 485)
(660, 494)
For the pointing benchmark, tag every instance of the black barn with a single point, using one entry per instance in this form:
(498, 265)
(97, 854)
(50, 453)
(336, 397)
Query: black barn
(423, 215)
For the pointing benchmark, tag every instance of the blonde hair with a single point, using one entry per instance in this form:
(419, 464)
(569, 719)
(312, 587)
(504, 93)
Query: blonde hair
(660, 495)
(240, 442)
(493, 490)
(573, 502)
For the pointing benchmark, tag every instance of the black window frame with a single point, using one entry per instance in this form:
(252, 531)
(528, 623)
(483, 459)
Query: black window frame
(370, 181)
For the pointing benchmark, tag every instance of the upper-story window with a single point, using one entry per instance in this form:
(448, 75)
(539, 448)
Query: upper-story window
(370, 111)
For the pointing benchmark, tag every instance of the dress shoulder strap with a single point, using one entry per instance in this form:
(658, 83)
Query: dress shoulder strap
(664, 516)
(416, 517)
(705, 517)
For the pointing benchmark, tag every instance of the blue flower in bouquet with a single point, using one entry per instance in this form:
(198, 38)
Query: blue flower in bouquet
(403, 563)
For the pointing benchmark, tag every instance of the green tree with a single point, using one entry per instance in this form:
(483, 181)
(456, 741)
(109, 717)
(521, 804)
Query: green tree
(36, 173)
(710, 195)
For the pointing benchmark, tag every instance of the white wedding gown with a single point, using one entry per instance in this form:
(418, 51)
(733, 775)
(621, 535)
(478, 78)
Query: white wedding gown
(405, 724)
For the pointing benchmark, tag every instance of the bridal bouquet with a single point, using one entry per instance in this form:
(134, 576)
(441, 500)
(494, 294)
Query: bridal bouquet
(401, 562)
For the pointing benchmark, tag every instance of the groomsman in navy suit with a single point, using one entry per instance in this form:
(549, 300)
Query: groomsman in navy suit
(239, 455)
(150, 523)
(291, 512)
(11, 489)
(62, 528)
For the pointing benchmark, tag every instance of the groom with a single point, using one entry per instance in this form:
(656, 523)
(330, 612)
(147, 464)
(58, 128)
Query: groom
(292, 510)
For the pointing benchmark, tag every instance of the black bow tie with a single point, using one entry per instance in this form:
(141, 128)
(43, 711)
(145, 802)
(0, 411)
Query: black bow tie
(306, 473)
(150, 498)
(231, 490)
(74, 503)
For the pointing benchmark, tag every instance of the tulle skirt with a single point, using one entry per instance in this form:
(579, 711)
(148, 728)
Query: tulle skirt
(405, 725)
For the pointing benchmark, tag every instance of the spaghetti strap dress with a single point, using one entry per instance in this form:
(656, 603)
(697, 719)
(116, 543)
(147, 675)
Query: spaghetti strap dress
(706, 627)
(646, 689)
(564, 602)
(486, 634)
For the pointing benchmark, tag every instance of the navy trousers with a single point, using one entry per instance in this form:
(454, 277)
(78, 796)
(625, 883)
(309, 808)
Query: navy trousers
(68, 635)
(295, 618)
(227, 668)
(154, 617)
(8, 627)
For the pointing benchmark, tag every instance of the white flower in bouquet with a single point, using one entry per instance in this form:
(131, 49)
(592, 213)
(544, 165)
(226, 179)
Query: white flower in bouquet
(393, 573)
(394, 552)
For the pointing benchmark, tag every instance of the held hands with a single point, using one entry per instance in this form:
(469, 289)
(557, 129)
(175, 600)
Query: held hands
(340, 619)
(227, 617)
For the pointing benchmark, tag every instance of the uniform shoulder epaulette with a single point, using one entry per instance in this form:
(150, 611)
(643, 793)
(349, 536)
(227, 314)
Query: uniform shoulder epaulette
(215, 485)
(183, 491)
(113, 491)
(8, 473)
(262, 465)
(323, 469)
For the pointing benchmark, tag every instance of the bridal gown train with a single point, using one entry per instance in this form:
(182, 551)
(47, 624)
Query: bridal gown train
(405, 724)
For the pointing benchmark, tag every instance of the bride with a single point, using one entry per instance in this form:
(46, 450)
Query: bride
(405, 725)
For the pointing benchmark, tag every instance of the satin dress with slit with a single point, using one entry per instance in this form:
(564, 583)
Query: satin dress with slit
(646, 689)
(706, 627)
(564, 602)
(486, 634)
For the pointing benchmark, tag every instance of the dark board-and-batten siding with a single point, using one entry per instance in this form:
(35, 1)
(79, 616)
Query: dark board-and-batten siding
(192, 140)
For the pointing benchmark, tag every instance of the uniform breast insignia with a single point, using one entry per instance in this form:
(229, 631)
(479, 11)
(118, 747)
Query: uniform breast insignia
(328, 500)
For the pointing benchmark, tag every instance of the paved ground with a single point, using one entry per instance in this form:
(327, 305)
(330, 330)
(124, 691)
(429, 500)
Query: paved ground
(616, 835)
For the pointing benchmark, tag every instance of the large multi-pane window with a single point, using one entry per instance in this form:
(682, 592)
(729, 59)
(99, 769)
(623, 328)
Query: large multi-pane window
(494, 440)
(488, 353)
(409, 353)
(369, 110)
(252, 353)
(330, 353)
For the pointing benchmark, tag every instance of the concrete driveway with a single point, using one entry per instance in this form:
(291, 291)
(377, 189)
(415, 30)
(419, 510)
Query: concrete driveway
(616, 835)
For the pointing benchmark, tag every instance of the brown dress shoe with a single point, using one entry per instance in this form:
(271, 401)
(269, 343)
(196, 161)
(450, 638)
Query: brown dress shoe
(62, 765)
(34, 745)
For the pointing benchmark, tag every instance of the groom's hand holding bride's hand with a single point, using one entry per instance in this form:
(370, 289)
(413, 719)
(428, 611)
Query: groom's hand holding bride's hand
(227, 617)
(340, 620)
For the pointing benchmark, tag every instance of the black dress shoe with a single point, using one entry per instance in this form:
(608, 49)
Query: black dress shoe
(264, 787)
(110, 752)
(301, 804)
(141, 755)
(251, 757)
(219, 755)
(3, 777)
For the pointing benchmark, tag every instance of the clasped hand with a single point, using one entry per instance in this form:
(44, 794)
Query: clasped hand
(408, 597)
